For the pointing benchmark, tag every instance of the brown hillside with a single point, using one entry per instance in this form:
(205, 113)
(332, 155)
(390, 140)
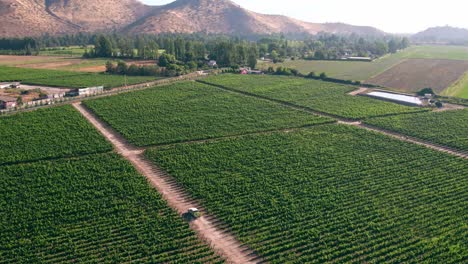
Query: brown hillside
(37, 17)
(99, 15)
(30, 18)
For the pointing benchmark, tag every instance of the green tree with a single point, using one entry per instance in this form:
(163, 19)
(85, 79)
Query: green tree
(252, 57)
(103, 47)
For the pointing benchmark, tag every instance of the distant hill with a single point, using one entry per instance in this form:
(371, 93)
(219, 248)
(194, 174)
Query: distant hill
(442, 35)
(37, 17)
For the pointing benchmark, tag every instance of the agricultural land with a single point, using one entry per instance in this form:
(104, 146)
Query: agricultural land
(394, 69)
(66, 199)
(67, 79)
(283, 170)
(448, 128)
(329, 194)
(329, 98)
(193, 111)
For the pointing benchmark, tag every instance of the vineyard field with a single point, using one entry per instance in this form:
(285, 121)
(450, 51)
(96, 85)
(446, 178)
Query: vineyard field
(193, 111)
(320, 96)
(96, 209)
(48, 133)
(67, 79)
(448, 128)
(329, 194)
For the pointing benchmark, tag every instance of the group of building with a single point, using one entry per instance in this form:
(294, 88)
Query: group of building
(9, 102)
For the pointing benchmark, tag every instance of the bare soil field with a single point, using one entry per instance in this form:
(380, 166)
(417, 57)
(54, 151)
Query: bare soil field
(415, 74)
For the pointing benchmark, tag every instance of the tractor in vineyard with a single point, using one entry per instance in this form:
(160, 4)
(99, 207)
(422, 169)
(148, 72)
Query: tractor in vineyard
(194, 213)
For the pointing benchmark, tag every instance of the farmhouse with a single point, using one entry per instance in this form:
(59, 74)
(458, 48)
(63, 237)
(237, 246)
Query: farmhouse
(86, 91)
(7, 102)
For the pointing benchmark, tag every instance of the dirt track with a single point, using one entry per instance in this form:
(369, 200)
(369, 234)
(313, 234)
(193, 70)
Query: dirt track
(408, 139)
(223, 243)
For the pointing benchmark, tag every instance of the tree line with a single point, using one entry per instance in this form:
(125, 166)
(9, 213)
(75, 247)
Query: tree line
(227, 51)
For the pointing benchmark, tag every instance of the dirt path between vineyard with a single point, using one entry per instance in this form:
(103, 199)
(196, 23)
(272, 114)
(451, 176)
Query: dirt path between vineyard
(409, 139)
(359, 124)
(222, 242)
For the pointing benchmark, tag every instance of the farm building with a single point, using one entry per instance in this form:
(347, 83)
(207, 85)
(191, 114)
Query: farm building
(7, 102)
(368, 59)
(10, 85)
(248, 70)
(212, 63)
(86, 91)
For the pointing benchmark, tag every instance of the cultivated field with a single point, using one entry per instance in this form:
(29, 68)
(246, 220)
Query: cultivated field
(415, 74)
(276, 182)
(95, 209)
(394, 74)
(353, 70)
(48, 134)
(333, 193)
(448, 128)
(67, 79)
(348, 70)
(459, 88)
(321, 96)
(192, 111)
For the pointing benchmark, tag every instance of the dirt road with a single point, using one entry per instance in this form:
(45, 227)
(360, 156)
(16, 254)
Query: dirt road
(408, 139)
(223, 243)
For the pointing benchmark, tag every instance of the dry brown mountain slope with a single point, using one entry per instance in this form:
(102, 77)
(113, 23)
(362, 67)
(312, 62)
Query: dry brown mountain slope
(224, 16)
(36, 17)
(30, 18)
(99, 15)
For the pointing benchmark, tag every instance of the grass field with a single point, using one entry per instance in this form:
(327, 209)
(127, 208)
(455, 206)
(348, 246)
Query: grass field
(329, 194)
(458, 89)
(67, 79)
(448, 128)
(321, 96)
(193, 111)
(49, 133)
(365, 70)
(74, 51)
(96, 209)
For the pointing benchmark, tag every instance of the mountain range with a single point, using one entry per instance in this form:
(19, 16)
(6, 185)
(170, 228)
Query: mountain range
(442, 35)
(36, 17)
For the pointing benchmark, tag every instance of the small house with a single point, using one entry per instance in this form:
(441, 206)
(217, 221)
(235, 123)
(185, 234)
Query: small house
(7, 102)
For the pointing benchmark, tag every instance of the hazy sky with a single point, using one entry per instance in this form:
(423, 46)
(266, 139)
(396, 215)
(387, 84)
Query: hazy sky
(395, 16)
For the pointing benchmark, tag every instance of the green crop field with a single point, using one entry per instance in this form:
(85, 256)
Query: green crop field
(67, 79)
(330, 194)
(48, 133)
(458, 89)
(193, 111)
(361, 71)
(321, 96)
(448, 128)
(96, 209)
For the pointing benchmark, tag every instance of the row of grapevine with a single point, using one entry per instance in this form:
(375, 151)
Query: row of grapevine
(95, 209)
(330, 193)
(317, 95)
(192, 111)
(48, 133)
(448, 128)
(67, 79)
